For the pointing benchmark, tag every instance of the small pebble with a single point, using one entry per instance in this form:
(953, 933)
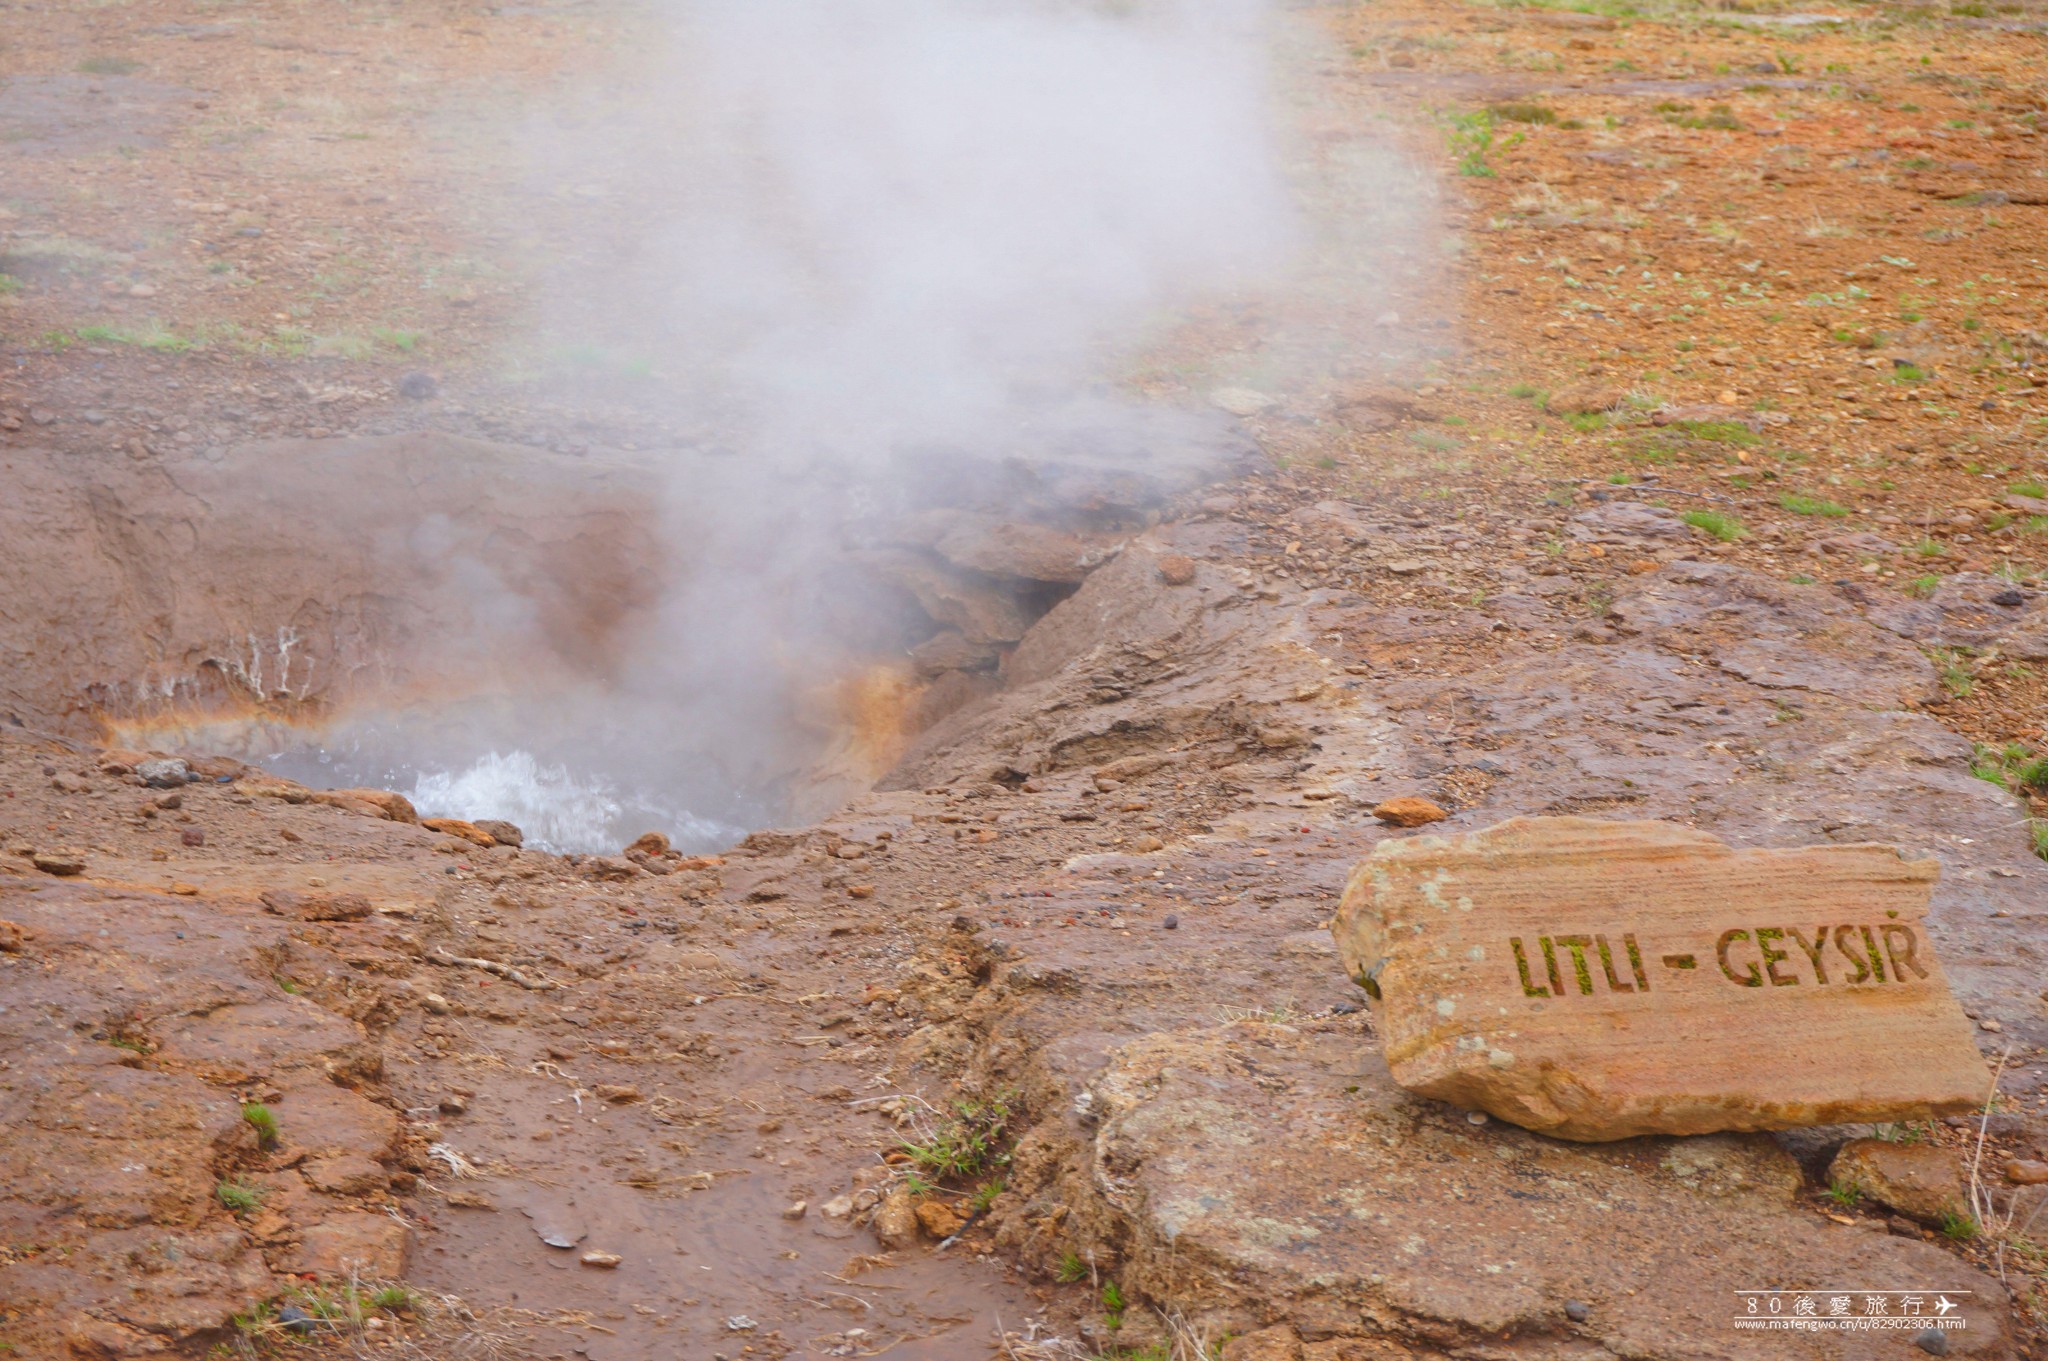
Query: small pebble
(607, 1260)
(1578, 1311)
(1475, 1117)
(192, 836)
(1172, 922)
(1933, 1341)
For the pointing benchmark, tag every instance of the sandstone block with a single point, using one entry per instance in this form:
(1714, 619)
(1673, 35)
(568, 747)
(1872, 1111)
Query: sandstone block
(1598, 980)
(349, 1174)
(315, 906)
(372, 1246)
(1277, 1343)
(1921, 1181)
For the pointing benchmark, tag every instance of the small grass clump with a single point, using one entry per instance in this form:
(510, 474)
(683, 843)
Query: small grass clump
(1959, 1228)
(108, 66)
(1953, 666)
(1523, 112)
(1720, 432)
(394, 1299)
(1071, 1268)
(1812, 505)
(1922, 587)
(1844, 1193)
(1472, 140)
(967, 1143)
(1908, 373)
(238, 1198)
(151, 337)
(1113, 1304)
(263, 1120)
(1717, 524)
(2037, 838)
(2012, 767)
(1681, 115)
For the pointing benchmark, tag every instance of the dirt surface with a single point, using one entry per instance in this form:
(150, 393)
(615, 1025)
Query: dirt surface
(1779, 268)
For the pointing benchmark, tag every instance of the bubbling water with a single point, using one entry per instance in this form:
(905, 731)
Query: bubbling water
(556, 810)
(587, 792)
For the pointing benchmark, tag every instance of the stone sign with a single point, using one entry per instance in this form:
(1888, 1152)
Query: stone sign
(1596, 980)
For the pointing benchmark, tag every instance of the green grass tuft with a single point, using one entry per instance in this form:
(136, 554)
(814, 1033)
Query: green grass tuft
(967, 1143)
(1812, 505)
(261, 1119)
(238, 1198)
(1719, 524)
(1721, 432)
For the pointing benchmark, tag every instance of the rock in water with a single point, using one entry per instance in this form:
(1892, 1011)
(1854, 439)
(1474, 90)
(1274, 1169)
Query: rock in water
(1598, 980)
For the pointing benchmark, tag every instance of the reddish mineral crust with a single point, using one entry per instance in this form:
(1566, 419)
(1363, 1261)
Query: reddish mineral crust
(1597, 980)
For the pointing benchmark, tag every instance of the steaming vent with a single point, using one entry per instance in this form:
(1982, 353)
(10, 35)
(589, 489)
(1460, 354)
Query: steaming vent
(884, 259)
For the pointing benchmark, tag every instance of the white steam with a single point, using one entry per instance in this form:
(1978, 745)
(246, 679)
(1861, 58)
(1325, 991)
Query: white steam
(869, 221)
(880, 256)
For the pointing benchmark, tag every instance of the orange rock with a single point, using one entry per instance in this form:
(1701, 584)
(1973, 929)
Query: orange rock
(649, 843)
(387, 805)
(273, 787)
(1409, 811)
(1176, 569)
(1921, 1181)
(13, 935)
(456, 827)
(2027, 1172)
(1597, 980)
(938, 1219)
